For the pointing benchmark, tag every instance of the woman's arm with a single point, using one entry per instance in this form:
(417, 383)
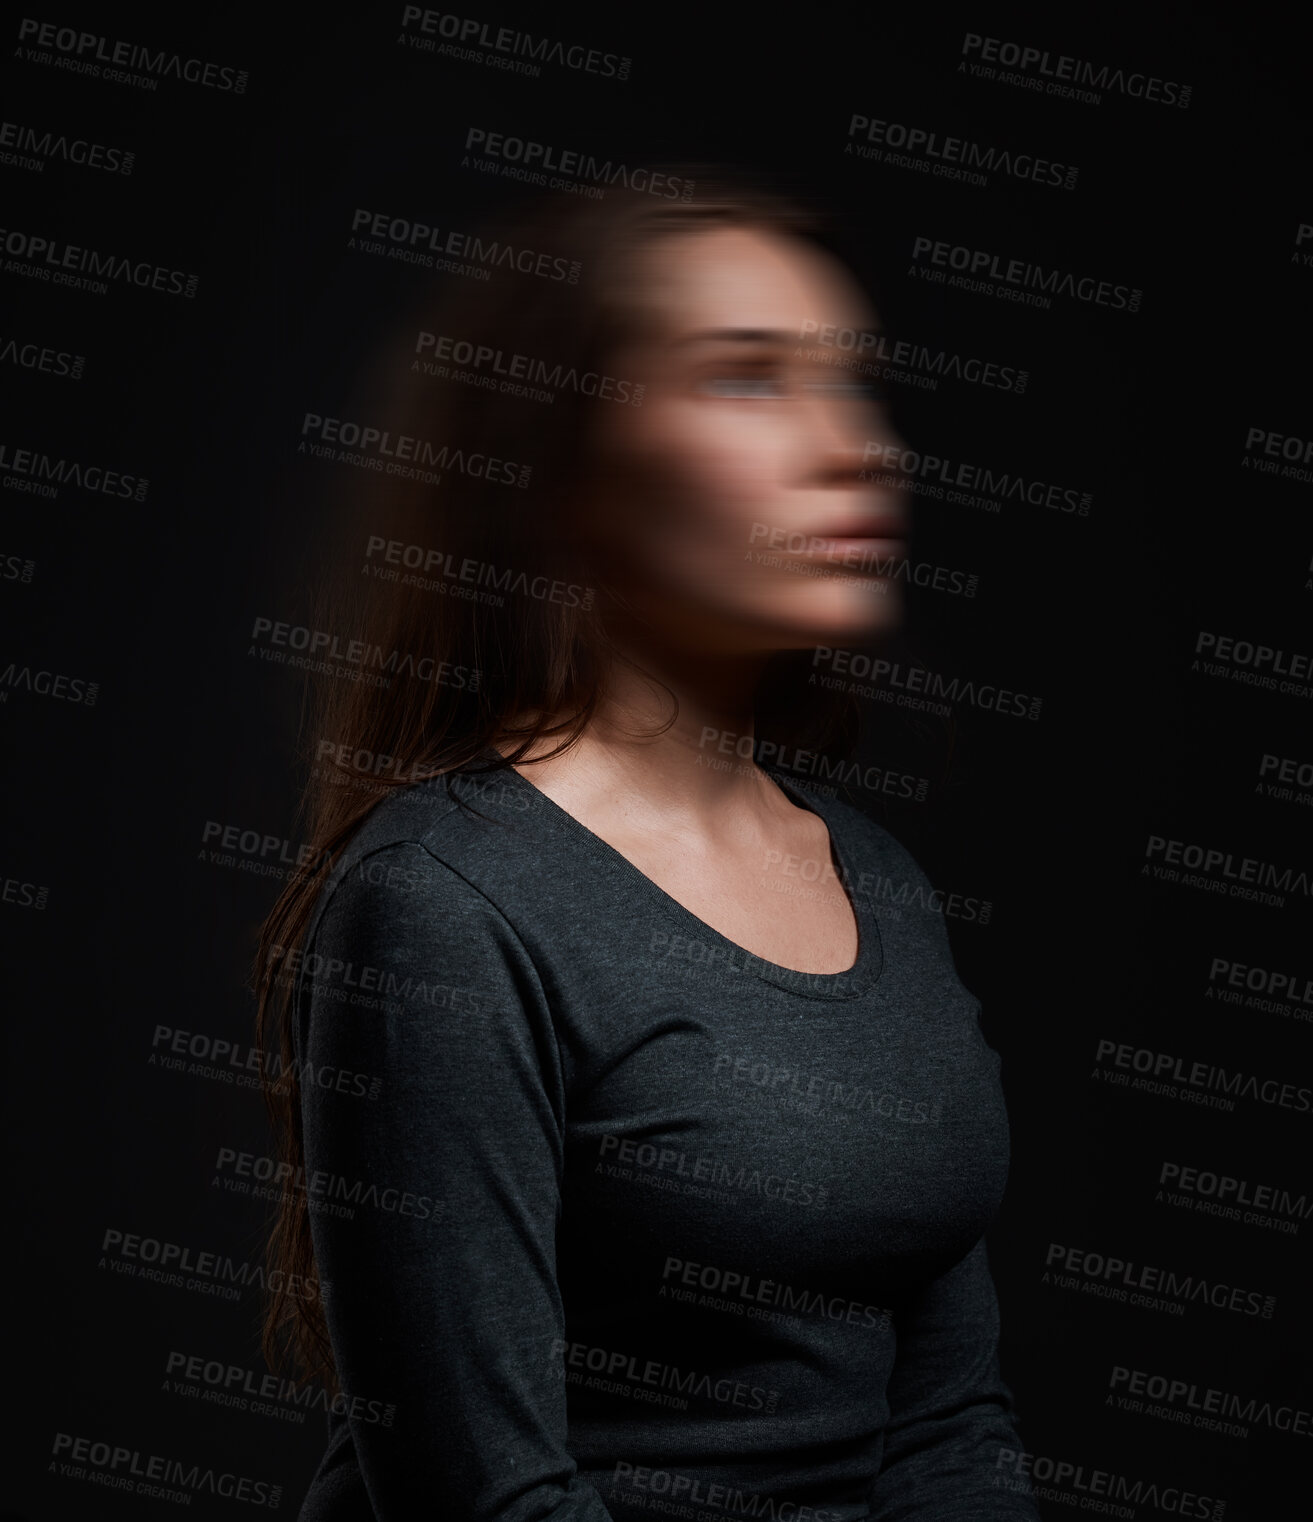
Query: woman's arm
(441, 1292)
(950, 1444)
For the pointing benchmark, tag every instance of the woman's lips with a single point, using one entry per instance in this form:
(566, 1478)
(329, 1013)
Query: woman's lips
(852, 549)
(843, 544)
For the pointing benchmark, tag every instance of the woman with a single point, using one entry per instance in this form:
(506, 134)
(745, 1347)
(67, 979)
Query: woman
(672, 1193)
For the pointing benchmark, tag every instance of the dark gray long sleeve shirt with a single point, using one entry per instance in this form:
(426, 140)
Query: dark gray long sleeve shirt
(638, 1224)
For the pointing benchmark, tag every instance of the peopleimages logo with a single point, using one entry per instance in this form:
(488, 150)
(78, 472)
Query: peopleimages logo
(949, 156)
(1253, 662)
(30, 147)
(852, 1095)
(1032, 284)
(1211, 1406)
(743, 1294)
(35, 356)
(464, 579)
(1074, 1484)
(238, 1388)
(1161, 1072)
(153, 1474)
(334, 654)
(1077, 1268)
(151, 1259)
(519, 367)
(1220, 871)
(91, 53)
(41, 258)
(226, 1061)
(993, 486)
(1050, 72)
(866, 351)
(532, 157)
(614, 1371)
(351, 443)
(380, 232)
(685, 1495)
(318, 1188)
(814, 764)
(465, 36)
(50, 684)
(1260, 988)
(717, 1173)
(883, 675)
(1271, 447)
(1210, 1193)
(32, 470)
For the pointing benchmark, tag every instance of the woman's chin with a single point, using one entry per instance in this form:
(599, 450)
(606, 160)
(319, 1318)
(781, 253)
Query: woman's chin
(841, 613)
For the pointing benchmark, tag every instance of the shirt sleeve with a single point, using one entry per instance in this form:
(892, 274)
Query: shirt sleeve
(950, 1444)
(434, 1205)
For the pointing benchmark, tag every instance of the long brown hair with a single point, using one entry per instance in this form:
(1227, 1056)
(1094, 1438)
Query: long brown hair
(433, 679)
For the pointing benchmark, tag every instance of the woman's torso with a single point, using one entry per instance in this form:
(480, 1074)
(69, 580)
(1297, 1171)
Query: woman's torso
(760, 1164)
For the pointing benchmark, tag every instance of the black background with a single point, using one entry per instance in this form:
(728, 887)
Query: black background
(1048, 820)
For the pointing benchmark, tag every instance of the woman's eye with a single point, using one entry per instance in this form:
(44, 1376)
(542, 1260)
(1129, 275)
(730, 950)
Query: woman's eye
(752, 386)
(765, 386)
(861, 390)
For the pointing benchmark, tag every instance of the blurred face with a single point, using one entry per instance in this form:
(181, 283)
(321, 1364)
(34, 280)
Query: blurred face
(730, 506)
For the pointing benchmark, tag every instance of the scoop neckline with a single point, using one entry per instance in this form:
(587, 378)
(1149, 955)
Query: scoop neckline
(848, 984)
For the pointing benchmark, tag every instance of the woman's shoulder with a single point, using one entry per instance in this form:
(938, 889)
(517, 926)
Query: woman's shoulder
(440, 837)
(412, 918)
